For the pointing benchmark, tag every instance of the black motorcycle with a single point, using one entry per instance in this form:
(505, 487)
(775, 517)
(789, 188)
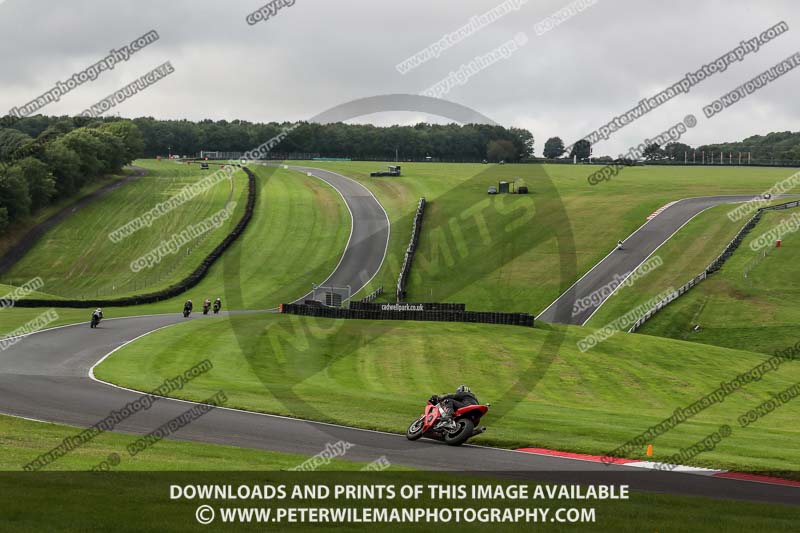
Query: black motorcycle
(217, 307)
(95, 321)
(206, 307)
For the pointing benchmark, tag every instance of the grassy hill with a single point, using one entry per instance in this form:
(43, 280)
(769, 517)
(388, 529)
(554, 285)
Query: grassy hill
(500, 253)
(268, 265)
(77, 259)
(749, 303)
(543, 391)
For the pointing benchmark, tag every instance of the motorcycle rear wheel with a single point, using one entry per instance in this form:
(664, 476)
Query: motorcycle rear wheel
(414, 431)
(460, 435)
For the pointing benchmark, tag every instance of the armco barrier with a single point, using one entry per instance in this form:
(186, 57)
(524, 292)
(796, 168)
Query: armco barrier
(511, 319)
(184, 285)
(715, 265)
(412, 248)
(371, 296)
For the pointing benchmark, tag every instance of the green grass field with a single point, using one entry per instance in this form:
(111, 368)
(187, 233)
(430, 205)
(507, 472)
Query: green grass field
(510, 253)
(378, 375)
(24, 440)
(749, 303)
(143, 482)
(15, 232)
(267, 266)
(503, 247)
(76, 259)
(684, 256)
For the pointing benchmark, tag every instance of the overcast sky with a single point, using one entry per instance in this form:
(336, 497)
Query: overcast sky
(316, 54)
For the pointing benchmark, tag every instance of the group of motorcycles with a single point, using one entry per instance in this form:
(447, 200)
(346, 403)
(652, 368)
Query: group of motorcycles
(439, 421)
(188, 306)
(97, 315)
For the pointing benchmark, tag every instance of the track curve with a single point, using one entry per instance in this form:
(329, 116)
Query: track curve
(48, 377)
(637, 247)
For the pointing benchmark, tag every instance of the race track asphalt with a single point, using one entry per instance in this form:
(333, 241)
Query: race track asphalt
(46, 376)
(636, 249)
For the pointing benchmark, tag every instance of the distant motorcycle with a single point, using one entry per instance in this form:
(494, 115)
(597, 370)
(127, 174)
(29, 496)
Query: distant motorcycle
(206, 307)
(187, 309)
(95, 321)
(456, 431)
(217, 306)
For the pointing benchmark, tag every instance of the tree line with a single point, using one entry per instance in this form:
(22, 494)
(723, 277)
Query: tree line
(774, 148)
(59, 160)
(452, 142)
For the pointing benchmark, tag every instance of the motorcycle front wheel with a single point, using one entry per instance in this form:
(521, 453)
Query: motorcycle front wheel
(464, 430)
(414, 431)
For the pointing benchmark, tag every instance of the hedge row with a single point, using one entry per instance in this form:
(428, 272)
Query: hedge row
(170, 292)
(412, 248)
(511, 319)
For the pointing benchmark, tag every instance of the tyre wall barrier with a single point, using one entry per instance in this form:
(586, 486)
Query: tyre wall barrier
(174, 290)
(511, 319)
(402, 279)
(405, 306)
(715, 265)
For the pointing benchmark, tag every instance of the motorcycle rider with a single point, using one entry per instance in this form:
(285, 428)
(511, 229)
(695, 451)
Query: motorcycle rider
(453, 402)
(619, 245)
(187, 307)
(98, 314)
(217, 305)
(206, 306)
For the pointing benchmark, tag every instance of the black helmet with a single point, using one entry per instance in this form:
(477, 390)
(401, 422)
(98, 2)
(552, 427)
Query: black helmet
(463, 388)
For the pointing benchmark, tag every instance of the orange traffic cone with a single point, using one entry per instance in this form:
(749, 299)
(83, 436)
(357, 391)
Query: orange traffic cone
(649, 450)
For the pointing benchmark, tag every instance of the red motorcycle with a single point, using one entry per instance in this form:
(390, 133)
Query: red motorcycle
(454, 431)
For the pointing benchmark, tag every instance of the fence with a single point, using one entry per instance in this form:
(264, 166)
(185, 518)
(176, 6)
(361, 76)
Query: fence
(184, 285)
(715, 265)
(510, 319)
(402, 279)
(370, 297)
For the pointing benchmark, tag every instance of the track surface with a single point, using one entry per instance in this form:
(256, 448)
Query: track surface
(46, 377)
(636, 249)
